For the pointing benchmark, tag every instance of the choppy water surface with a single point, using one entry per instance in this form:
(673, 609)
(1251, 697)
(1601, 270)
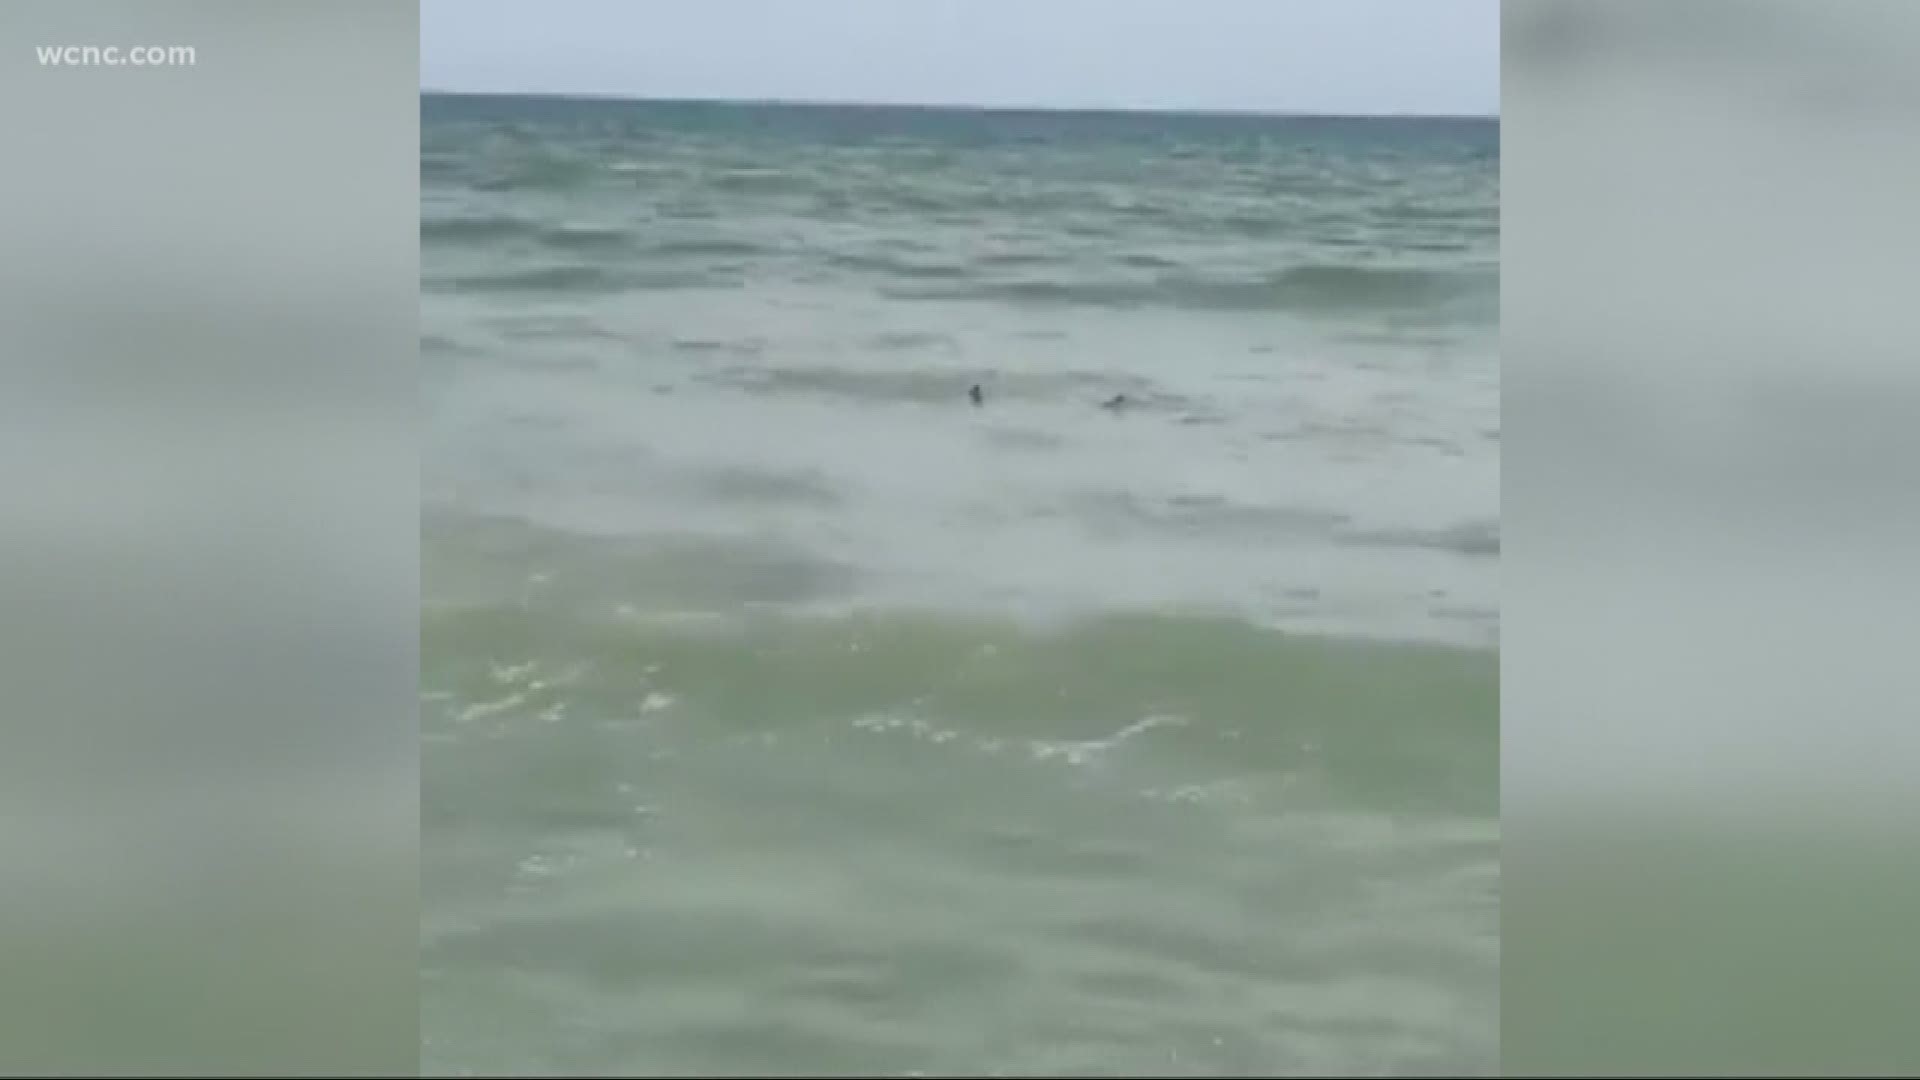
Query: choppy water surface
(785, 712)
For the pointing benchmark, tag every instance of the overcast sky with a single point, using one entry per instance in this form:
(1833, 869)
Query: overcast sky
(1329, 56)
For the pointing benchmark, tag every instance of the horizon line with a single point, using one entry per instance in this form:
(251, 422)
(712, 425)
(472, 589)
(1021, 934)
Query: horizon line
(946, 106)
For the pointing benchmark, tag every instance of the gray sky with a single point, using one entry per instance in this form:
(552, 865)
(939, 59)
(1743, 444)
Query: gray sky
(1341, 56)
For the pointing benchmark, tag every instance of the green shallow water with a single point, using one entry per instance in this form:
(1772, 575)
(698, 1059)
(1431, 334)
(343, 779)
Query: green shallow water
(783, 713)
(881, 843)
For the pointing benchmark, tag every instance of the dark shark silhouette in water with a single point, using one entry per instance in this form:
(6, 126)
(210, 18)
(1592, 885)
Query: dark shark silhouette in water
(976, 395)
(1115, 403)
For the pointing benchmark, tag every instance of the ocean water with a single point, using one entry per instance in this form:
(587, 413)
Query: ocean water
(786, 713)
